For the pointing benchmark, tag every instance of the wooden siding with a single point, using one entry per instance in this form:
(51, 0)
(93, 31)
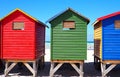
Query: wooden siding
(98, 39)
(0, 42)
(18, 44)
(68, 44)
(40, 40)
(111, 39)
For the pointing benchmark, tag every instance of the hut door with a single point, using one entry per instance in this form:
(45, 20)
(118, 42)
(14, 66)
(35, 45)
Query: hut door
(97, 47)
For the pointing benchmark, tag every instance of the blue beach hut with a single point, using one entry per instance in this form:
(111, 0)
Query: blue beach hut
(107, 41)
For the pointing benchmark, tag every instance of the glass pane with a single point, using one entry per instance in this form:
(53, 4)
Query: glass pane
(18, 26)
(117, 24)
(69, 24)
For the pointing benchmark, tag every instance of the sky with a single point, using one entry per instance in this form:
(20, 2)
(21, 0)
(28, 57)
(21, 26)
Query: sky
(45, 9)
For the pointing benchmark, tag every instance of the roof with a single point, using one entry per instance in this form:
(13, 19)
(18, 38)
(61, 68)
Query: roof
(25, 14)
(107, 16)
(69, 9)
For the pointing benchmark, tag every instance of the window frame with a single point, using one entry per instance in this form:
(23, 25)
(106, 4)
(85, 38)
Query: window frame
(117, 24)
(68, 28)
(22, 28)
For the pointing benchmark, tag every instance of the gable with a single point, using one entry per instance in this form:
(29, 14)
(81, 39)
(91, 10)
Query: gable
(68, 16)
(107, 17)
(110, 21)
(16, 16)
(62, 14)
(18, 12)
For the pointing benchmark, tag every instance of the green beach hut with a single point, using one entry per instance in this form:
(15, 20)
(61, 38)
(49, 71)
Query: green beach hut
(68, 39)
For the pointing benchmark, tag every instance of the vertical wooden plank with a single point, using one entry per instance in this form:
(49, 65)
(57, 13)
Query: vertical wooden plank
(103, 67)
(35, 69)
(6, 67)
(101, 40)
(51, 69)
(81, 69)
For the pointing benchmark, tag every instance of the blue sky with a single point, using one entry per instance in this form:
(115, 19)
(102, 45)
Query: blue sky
(45, 9)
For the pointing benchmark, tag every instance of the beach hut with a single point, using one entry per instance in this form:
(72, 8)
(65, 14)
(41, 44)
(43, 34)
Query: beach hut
(23, 40)
(68, 40)
(107, 41)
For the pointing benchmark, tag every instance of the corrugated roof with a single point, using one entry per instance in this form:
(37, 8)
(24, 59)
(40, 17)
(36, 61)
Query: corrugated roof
(25, 14)
(66, 11)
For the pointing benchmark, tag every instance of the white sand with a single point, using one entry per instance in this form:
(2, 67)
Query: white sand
(90, 57)
(47, 55)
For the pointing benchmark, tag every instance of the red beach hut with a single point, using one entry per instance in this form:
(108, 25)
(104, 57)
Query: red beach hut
(23, 38)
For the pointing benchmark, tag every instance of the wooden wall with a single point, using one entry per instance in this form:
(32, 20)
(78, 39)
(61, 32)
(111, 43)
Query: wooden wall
(69, 44)
(98, 39)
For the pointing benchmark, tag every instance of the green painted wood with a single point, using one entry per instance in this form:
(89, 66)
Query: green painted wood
(68, 44)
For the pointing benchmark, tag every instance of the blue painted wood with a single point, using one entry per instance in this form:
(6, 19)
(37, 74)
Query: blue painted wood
(111, 39)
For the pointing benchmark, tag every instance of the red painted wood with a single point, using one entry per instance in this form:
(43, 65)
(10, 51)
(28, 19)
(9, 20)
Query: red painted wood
(0, 42)
(108, 16)
(21, 44)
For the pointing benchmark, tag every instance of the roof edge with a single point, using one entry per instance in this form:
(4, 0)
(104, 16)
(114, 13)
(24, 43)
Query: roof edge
(105, 17)
(88, 20)
(108, 16)
(25, 14)
(93, 24)
(49, 20)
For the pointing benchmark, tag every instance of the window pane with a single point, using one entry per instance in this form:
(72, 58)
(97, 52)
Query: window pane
(117, 24)
(18, 26)
(69, 24)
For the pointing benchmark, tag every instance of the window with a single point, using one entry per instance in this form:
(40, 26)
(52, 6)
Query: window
(67, 25)
(117, 24)
(18, 25)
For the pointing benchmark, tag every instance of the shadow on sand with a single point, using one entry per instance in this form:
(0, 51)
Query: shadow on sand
(65, 71)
